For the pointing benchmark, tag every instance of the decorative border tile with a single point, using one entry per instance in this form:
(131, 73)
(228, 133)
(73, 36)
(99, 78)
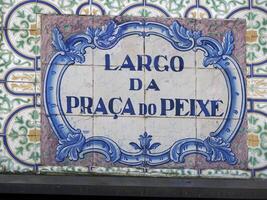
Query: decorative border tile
(117, 7)
(221, 173)
(221, 9)
(19, 15)
(11, 61)
(178, 8)
(62, 170)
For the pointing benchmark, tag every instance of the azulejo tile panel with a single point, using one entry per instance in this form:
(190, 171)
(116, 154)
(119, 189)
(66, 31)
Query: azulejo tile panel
(18, 64)
(82, 131)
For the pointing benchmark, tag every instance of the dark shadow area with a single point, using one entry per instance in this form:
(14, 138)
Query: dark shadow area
(21, 187)
(66, 197)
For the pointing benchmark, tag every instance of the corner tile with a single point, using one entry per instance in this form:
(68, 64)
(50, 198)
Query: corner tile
(217, 29)
(67, 25)
(50, 142)
(207, 128)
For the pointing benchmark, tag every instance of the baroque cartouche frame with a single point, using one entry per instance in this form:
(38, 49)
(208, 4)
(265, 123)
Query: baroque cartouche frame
(73, 144)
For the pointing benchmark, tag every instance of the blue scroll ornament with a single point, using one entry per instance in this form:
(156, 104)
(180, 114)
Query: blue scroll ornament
(73, 144)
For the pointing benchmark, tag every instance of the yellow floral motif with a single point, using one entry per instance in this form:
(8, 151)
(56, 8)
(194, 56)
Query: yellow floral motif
(253, 140)
(260, 83)
(251, 36)
(28, 77)
(22, 86)
(199, 15)
(34, 31)
(260, 92)
(257, 88)
(87, 11)
(34, 135)
(94, 12)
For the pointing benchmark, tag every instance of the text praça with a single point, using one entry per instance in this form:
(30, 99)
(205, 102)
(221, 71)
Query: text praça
(127, 106)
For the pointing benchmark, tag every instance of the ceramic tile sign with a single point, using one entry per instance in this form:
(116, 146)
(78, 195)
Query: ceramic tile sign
(143, 92)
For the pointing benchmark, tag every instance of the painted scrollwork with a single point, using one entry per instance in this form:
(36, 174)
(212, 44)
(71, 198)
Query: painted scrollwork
(216, 147)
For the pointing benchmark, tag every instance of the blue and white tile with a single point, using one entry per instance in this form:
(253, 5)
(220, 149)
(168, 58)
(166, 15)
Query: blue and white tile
(204, 92)
(76, 83)
(106, 87)
(171, 86)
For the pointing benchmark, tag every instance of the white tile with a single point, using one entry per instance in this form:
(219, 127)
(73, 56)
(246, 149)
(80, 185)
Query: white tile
(77, 83)
(122, 130)
(205, 127)
(131, 45)
(88, 56)
(174, 87)
(83, 123)
(155, 45)
(211, 87)
(116, 84)
(167, 131)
